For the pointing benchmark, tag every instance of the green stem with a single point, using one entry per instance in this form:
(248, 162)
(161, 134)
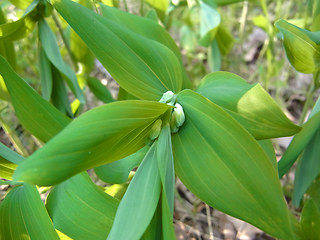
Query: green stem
(308, 103)
(73, 60)
(125, 5)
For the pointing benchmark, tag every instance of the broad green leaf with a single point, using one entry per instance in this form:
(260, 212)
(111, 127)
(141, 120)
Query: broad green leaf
(301, 49)
(118, 171)
(123, 127)
(45, 74)
(143, 67)
(59, 96)
(52, 51)
(308, 168)
(22, 4)
(160, 6)
(6, 46)
(140, 201)
(298, 143)
(151, 30)
(23, 215)
(310, 221)
(221, 163)
(80, 209)
(99, 90)
(214, 57)
(249, 104)
(209, 23)
(38, 116)
(22, 27)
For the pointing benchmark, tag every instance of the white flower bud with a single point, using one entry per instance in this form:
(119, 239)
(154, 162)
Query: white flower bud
(167, 97)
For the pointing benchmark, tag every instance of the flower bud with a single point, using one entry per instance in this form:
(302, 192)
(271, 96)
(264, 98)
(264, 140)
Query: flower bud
(167, 97)
(155, 130)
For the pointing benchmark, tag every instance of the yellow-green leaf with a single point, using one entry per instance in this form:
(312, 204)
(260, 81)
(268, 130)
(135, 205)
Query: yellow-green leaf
(24, 216)
(99, 136)
(221, 163)
(80, 209)
(143, 67)
(249, 104)
(38, 116)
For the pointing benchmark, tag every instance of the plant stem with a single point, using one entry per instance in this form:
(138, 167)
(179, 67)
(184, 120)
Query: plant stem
(243, 20)
(307, 104)
(209, 222)
(74, 62)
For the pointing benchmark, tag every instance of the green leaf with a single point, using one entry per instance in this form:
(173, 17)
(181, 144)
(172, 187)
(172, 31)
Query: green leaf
(118, 171)
(160, 6)
(45, 74)
(166, 170)
(8, 162)
(154, 230)
(315, 16)
(122, 126)
(23, 215)
(6, 46)
(310, 221)
(269, 150)
(140, 201)
(52, 51)
(221, 163)
(80, 209)
(209, 23)
(6, 169)
(151, 30)
(99, 90)
(22, 27)
(38, 116)
(301, 49)
(249, 104)
(59, 96)
(124, 95)
(225, 40)
(308, 168)
(298, 143)
(143, 67)
(214, 57)
(22, 4)
(10, 155)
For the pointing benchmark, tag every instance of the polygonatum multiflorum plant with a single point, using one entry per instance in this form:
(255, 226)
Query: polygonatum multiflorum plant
(214, 138)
